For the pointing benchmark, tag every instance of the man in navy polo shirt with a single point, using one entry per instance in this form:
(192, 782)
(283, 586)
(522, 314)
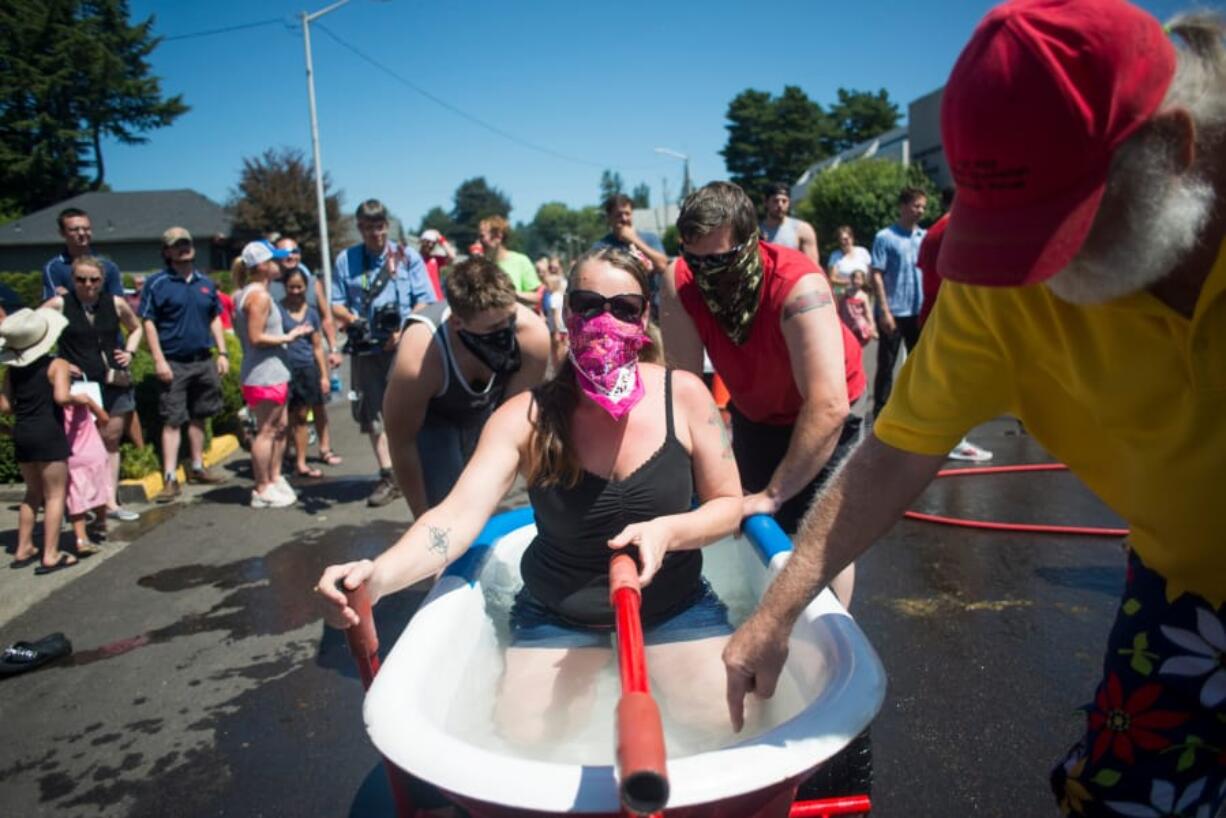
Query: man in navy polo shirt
(182, 324)
(78, 236)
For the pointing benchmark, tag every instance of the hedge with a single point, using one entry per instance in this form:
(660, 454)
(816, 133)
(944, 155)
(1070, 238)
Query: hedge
(864, 195)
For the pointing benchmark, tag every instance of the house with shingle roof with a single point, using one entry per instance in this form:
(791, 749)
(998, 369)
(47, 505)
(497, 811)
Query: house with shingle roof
(127, 227)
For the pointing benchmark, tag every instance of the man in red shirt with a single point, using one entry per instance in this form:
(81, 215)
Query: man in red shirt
(767, 319)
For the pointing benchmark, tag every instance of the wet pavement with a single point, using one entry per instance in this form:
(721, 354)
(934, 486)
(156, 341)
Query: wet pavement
(203, 684)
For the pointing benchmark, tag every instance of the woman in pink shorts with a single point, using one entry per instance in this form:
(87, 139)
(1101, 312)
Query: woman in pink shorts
(265, 372)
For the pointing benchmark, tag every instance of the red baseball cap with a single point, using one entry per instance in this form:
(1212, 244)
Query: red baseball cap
(1037, 104)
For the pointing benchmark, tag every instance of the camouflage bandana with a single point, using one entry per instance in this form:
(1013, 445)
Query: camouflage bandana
(731, 291)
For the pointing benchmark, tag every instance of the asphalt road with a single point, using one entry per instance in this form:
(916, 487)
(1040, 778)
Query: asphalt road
(203, 685)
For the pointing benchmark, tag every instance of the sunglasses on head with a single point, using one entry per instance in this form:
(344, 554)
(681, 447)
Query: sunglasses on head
(88, 280)
(698, 263)
(628, 307)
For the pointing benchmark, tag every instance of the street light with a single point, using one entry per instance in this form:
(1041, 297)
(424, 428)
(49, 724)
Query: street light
(686, 186)
(324, 248)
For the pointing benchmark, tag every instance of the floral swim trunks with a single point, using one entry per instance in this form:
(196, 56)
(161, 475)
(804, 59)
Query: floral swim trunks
(1155, 742)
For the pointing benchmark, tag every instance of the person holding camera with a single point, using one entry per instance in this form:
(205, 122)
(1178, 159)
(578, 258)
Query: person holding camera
(89, 345)
(376, 286)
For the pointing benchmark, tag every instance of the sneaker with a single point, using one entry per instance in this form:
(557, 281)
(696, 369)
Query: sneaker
(204, 477)
(284, 489)
(170, 492)
(123, 515)
(270, 499)
(385, 492)
(969, 451)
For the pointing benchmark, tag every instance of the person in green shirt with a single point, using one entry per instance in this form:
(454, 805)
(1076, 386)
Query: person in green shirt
(522, 272)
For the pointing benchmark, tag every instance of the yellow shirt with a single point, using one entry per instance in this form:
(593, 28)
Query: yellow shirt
(1129, 394)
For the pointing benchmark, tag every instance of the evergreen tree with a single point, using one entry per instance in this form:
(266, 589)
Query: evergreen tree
(859, 116)
(475, 200)
(641, 195)
(772, 139)
(71, 73)
(610, 184)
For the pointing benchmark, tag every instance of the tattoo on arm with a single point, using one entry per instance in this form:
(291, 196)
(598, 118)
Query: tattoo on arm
(813, 300)
(725, 438)
(440, 541)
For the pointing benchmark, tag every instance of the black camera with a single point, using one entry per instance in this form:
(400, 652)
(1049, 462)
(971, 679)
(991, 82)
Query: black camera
(362, 336)
(386, 321)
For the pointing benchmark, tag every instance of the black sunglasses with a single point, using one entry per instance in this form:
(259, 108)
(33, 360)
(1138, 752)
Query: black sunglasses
(88, 280)
(628, 307)
(699, 263)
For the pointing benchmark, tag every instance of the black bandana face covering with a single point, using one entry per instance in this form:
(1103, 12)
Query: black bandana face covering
(499, 350)
(731, 289)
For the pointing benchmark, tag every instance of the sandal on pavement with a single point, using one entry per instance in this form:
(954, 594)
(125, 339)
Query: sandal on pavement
(23, 562)
(23, 656)
(308, 472)
(85, 548)
(65, 561)
(330, 458)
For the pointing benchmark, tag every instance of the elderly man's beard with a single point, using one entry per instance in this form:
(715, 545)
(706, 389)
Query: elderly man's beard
(1150, 219)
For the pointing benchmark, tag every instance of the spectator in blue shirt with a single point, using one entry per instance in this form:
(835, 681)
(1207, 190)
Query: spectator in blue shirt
(182, 316)
(376, 286)
(899, 289)
(78, 236)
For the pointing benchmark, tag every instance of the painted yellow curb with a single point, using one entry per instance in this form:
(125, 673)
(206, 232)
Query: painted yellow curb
(147, 487)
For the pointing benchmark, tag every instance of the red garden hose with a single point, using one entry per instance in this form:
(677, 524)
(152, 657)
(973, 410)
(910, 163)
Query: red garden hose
(1029, 528)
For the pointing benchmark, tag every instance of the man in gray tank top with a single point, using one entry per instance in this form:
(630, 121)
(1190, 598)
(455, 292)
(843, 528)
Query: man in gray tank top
(780, 228)
(456, 362)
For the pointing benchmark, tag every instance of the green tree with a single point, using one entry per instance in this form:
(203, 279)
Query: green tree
(71, 73)
(556, 229)
(276, 193)
(610, 184)
(474, 200)
(858, 116)
(437, 219)
(772, 139)
(864, 195)
(641, 195)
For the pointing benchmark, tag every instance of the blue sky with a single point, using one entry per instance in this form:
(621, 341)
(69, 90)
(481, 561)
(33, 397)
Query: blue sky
(599, 83)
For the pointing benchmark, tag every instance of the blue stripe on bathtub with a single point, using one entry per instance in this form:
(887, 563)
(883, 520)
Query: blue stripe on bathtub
(767, 537)
(469, 565)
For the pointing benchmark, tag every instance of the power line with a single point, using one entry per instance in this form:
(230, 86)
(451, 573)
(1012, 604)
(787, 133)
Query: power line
(210, 32)
(523, 143)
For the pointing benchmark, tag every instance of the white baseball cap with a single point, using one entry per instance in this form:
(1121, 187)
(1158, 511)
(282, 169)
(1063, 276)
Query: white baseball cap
(258, 252)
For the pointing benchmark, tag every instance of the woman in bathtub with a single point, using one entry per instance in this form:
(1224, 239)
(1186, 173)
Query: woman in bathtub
(613, 450)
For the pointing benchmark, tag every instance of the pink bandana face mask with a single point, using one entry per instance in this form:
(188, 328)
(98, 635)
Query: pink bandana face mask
(605, 354)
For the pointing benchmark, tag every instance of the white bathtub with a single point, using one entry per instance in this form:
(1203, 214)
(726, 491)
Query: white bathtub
(451, 642)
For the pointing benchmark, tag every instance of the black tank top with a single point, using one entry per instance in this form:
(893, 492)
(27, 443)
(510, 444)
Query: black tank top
(33, 398)
(90, 345)
(457, 403)
(567, 565)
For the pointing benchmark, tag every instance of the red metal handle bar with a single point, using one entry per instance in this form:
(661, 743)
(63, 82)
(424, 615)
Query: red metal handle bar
(364, 645)
(847, 805)
(640, 735)
(362, 638)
